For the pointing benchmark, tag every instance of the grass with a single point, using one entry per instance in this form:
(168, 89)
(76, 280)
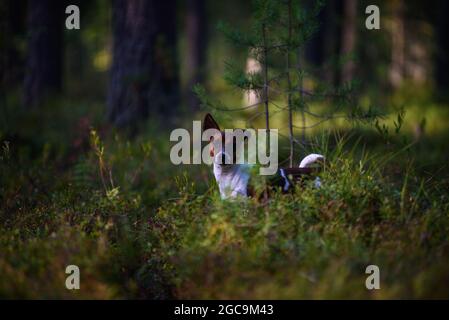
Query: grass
(139, 227)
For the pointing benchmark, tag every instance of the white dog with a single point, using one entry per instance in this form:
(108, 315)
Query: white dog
(233, 178)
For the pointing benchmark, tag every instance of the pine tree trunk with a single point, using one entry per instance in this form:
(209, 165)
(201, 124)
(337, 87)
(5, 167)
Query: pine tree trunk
(144, 73)
(12, 27)
(330, 37)
(289, 85)
(5, 45)
(442, 51)
(43, 74)
(196, 31)
(314, 48)
(301, 100)
(265, 81)
(349, 29)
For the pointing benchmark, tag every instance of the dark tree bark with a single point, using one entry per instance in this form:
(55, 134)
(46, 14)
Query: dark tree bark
(144, 73)
(43, 75)
(12, 27)
(348, 38)
(331, 34)
(196, 48)
(442, 51)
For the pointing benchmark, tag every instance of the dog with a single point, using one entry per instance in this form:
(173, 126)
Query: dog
(233, 178)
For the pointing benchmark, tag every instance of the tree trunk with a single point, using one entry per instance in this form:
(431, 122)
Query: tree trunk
(144, 73)
(330, 29)
(196, 48)
(290, 86)
(43, 75)
(12, 27)
(314, 48)
(253, 66)
(397, 65)
(265, 81)
(348, 34)
(442, 51)
(5, 46)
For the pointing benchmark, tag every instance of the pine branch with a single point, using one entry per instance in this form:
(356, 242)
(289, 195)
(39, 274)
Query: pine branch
(207, 103)
(289, 84)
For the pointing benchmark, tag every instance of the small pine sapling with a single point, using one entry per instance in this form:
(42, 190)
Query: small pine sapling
(278, 35)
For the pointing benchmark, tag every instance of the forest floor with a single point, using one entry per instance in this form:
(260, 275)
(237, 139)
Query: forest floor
(139, 227)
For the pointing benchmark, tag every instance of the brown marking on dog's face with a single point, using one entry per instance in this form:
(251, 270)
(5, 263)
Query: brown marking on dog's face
(227, 143)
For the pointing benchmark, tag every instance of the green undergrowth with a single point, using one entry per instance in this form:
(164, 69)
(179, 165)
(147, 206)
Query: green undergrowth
(138, 227)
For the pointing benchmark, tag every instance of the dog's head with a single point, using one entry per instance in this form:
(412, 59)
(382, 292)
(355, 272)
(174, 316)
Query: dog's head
(225, 146)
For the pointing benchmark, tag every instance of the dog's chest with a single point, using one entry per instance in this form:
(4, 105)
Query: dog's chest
(232, 181)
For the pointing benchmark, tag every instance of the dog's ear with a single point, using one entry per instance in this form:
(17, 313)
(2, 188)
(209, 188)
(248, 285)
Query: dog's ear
(210, 123)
